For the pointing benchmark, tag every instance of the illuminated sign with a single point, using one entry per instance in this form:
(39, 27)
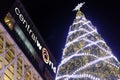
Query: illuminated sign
(27, 26)
(46, 59)
(45, 55)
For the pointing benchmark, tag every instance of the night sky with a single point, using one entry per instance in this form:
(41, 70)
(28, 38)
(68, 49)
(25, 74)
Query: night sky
(53, 18)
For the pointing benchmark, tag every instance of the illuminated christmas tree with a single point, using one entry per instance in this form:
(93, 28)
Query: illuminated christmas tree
(86, 55)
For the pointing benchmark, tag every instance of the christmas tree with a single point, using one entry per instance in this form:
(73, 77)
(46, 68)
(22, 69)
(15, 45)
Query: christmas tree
(86, 55)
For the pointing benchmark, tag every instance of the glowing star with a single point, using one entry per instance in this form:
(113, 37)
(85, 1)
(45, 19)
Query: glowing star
(78, 6)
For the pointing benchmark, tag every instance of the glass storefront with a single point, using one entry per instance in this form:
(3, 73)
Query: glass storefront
(14, 65)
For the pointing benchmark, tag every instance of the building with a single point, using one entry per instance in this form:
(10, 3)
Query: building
(86, 55)
(23, 53)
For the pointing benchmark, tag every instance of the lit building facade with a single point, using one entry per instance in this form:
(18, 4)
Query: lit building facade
(23, 53)
(14, 65)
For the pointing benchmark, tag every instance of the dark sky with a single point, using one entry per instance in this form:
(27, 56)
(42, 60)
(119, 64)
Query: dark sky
(53, 18)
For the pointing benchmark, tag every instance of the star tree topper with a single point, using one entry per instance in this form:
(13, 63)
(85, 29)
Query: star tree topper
(78, 6)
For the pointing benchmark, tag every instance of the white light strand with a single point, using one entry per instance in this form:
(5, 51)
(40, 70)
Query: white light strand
(84, 54)
(78, 76)
(92, 63)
